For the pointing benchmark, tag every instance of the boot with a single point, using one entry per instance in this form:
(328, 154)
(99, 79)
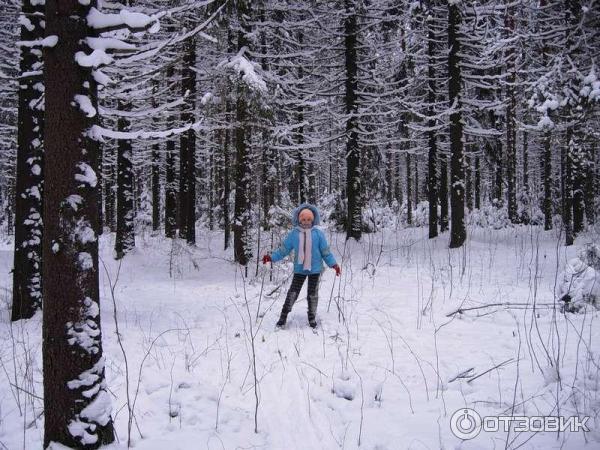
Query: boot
(313, 300)
(282, 319)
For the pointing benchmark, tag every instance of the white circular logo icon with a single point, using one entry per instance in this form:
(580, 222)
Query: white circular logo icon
(465, 423)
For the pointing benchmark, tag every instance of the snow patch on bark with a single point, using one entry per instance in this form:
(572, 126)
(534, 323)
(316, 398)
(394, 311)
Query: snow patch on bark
(87, 175)
(85, 105)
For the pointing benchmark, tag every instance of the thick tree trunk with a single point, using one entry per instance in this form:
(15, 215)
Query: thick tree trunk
(170, 178)
(495, 150)
(241, 248)
(511, 123)
(547, 182)
(76, 399)
(417, 186)
(589, 188)
(109, 183)
(567, 188)
(241, 209)
(578, 186)
(469, 184)
(389, 178)
(27, 270)
(226, 187)
(156, 163)
(398, 178)
(353, 172)
(444, 210)
(432, 183)
(409, 190)
(187, 158)
(526, 162)
(458, 232)
(125, 236)
(477, 183)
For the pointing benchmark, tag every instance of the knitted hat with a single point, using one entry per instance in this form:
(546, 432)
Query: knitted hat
(306, 214)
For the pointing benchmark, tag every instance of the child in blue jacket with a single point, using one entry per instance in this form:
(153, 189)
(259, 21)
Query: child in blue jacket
(311, 249)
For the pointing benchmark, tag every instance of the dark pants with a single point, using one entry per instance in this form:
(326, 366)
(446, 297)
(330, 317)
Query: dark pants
(294, 292)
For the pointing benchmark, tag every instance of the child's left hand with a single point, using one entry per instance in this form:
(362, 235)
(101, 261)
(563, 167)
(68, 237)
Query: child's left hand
(338, 270)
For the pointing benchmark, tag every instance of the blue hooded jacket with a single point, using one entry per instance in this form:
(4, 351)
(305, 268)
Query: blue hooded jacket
(320, 248)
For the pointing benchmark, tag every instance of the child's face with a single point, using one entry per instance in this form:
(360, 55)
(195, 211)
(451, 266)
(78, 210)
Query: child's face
(306, 221)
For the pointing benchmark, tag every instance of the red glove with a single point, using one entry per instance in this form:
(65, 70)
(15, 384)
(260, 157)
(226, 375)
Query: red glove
(266, 259)
(338, 270)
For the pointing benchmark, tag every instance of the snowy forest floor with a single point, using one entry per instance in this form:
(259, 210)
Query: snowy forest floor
(377, 373)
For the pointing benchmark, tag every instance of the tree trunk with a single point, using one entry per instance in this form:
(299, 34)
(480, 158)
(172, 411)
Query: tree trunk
(432, 182)
(477, 183)
(567, 187)
(397, 178)
(589, 193)
(226, 186)
(76, 399)
(170, 178)
(458, 232)
(547, 161)
(511, 125)
(156, 163)
(241, 220)
(187, 159)
(125, 237)
(241, 210)
(389, 178)
(353, 174)
(27, 270)
(409, 189)
(444, 219)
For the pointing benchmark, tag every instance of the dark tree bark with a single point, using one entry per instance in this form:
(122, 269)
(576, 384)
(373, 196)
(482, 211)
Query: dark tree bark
(432, 178)
(409, 189)
(241, 213)
(525, 216)
(417, 186)
(469, 184)
(574, 152)
(477, 183)
(226, 186)
(547, 181)
(170, 177)
(511, 124)
(589, 192)
(579, 160)
(389, 178)
(125, 236)
(27, 270)
(109, 182)
(397, 179)
(444, 209)
(567, 187)
(458, 232)
(496, 152)
(76, 399)
(187, 158)
(156, 163)
(526, 162)
(353, 172)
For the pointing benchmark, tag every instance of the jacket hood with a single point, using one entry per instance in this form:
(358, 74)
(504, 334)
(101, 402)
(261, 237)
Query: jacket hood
(314, 210)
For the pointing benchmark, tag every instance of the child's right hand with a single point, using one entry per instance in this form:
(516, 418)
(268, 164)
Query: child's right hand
(266, 259)
(338, 270)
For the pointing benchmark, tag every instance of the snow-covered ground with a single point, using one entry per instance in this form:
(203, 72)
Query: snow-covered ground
(379, 373)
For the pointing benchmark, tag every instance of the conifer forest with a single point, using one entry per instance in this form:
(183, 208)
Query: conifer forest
(155, 159)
